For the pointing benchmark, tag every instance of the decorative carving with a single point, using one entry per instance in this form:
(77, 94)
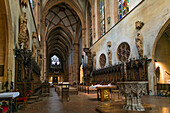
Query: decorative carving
(133, 92)
(34, 50)
(23, 35)
(110, 57)
(139, 25)
(94, 60)
(102, 60)
(139, 44)
(34, 35)
(24, 3)
(109, 43)
(88, 68)
(108, 20)
(123, 52)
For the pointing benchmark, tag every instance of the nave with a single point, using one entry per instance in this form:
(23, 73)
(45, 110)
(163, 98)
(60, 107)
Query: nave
(88, 103)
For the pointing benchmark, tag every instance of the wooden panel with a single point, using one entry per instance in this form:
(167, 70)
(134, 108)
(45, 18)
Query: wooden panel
(1, 70)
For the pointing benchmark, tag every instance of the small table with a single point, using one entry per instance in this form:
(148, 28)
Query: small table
(103, 92)
(9, 96)
(133, 91)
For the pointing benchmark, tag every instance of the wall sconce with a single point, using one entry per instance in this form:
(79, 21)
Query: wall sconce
(108, 19)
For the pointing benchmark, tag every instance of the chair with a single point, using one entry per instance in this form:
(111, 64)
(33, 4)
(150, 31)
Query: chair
(4, 107)
(23, 99)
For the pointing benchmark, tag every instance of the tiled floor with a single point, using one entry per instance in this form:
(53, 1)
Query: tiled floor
(87, 103)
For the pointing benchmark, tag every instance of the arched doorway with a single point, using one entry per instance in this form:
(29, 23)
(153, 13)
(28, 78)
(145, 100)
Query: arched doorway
(162, 60)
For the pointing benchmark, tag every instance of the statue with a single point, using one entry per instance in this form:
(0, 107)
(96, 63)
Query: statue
(94, 63)
(34, 50)
(157, 72)
(23, 29)
(139, 44)
(139, 25)
(24, 3)
(109, 57)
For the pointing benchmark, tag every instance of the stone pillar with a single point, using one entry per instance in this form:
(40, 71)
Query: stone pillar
(151, 74)
(83, 37)
(75, 62)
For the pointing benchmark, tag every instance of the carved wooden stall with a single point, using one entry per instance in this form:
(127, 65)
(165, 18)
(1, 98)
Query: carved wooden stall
(133, 70)
(27, 73)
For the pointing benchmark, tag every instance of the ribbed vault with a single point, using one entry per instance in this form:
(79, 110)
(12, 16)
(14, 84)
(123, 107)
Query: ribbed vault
(61, 24)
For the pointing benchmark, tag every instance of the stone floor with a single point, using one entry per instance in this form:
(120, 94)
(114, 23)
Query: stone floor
(87, 103)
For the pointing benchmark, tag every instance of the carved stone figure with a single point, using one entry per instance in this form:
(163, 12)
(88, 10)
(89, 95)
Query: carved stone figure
(94, 63)
(139, 25)
(139, 44)
(34, 50)
(23, 29)
(157, 72)
(123, 51)
(110, 57)
(24, 3)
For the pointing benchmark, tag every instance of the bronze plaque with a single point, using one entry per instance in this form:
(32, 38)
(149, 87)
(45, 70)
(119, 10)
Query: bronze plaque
(1, 70)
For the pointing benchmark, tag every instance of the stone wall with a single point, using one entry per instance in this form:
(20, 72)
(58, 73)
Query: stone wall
(13, 13)
(154, 14)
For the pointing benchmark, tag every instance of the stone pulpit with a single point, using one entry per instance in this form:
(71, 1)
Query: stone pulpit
(133, 90)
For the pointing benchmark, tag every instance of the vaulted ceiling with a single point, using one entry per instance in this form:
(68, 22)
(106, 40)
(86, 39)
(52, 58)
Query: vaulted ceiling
(61, 24)
(62, 14)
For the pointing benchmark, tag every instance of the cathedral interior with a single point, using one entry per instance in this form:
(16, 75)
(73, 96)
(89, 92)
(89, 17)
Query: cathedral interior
(84, 56)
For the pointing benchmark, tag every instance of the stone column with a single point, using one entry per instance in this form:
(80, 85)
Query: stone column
(151, 74)
(75, 62)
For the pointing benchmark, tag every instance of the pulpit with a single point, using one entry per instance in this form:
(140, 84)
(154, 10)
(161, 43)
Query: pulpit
(133, 91)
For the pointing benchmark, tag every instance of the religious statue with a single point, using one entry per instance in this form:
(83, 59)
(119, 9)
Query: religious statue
(94, 63)
(110, 57)
(24, 3)
(34, 50)
(23, 29)
(139, 25)
(157, 72)
(139, 44)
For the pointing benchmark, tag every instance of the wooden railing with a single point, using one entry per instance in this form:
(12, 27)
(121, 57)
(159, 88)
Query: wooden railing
(133, 70)
(24, 87)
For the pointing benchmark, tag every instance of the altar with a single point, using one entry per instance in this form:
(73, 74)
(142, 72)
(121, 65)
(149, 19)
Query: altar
(103, 91)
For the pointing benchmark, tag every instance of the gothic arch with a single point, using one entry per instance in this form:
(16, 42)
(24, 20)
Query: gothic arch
(161, 31)
(6, 37)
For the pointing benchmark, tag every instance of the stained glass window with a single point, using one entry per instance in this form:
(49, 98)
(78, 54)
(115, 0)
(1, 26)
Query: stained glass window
(55, 61)
(32, 3)
(102, 18)
(123, 8)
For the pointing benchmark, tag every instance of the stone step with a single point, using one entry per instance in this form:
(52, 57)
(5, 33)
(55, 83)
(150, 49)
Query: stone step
(45, 94)
(31, 101)
(33, 98)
